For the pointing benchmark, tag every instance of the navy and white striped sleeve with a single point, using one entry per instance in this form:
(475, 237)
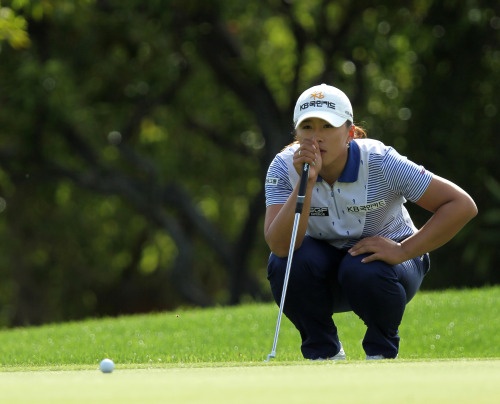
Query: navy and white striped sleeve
(278, 186)
(404, 176)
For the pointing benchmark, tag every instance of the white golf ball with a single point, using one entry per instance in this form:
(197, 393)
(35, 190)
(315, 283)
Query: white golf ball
(106, 366)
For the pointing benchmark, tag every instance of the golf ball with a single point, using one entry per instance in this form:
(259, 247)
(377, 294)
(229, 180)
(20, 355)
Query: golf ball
(106, 366)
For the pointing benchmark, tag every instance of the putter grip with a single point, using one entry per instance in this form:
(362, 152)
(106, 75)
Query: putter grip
(302, 188)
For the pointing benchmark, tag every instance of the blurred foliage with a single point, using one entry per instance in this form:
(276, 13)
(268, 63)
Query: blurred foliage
(136, 136)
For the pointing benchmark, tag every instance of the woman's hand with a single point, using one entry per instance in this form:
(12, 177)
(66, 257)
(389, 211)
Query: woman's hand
(382, 249)
(308, 152)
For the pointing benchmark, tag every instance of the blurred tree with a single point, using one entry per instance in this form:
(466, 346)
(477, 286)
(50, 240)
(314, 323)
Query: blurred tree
(136, 137)
(454, 129)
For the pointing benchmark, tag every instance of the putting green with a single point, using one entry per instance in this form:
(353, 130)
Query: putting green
(465, 381)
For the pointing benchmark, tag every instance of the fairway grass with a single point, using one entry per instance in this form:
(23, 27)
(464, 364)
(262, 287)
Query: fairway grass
(452, 324)
(437, 381)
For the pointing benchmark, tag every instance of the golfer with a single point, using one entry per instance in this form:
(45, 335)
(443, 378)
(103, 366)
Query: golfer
(356, 248)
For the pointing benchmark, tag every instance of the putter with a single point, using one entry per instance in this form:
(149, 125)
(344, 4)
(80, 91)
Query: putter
(298, 210)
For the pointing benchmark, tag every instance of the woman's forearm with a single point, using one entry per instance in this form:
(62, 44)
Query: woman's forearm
(444, 224)
(278, 233)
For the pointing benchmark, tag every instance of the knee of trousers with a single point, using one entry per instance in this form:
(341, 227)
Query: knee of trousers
(353, 272)
(370, 282)
(304, 273)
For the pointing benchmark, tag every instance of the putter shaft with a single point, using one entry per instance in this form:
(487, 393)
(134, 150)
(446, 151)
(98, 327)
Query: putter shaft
(298, 211)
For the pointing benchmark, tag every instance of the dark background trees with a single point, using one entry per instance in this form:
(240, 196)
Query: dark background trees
(135, 137)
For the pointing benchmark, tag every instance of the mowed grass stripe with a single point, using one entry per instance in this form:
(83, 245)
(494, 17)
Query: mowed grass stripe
(444, 324)
(427, 382)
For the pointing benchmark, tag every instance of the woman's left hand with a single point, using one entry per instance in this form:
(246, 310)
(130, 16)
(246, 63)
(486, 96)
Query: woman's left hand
(382, 249)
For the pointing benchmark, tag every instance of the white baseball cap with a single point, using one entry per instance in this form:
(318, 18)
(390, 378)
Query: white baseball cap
(325, 102)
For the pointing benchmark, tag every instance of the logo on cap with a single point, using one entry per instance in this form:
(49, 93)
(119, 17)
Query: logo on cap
(317, 94)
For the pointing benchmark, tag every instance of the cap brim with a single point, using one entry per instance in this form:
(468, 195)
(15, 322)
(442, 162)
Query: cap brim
(331, 118)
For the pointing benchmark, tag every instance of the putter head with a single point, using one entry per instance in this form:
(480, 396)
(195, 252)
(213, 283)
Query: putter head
(271, 355)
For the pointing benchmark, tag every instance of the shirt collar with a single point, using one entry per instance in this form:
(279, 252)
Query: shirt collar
(351, 169)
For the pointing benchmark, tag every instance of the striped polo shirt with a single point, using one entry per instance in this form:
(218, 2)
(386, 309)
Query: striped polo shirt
(367, 199)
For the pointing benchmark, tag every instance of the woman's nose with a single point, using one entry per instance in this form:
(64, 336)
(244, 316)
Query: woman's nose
(316, 135)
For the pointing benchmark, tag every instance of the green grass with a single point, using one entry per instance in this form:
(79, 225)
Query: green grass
(355, 382)
(450, 353)
(436, 325)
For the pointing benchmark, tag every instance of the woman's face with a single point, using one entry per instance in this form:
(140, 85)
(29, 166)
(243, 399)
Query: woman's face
(332, 141)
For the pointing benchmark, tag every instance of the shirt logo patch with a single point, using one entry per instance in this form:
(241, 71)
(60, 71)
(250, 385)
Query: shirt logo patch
(272, 181)
(319, 211)
(366, 208)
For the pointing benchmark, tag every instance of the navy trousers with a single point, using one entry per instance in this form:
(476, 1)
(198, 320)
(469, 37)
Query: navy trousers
(325, 280)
